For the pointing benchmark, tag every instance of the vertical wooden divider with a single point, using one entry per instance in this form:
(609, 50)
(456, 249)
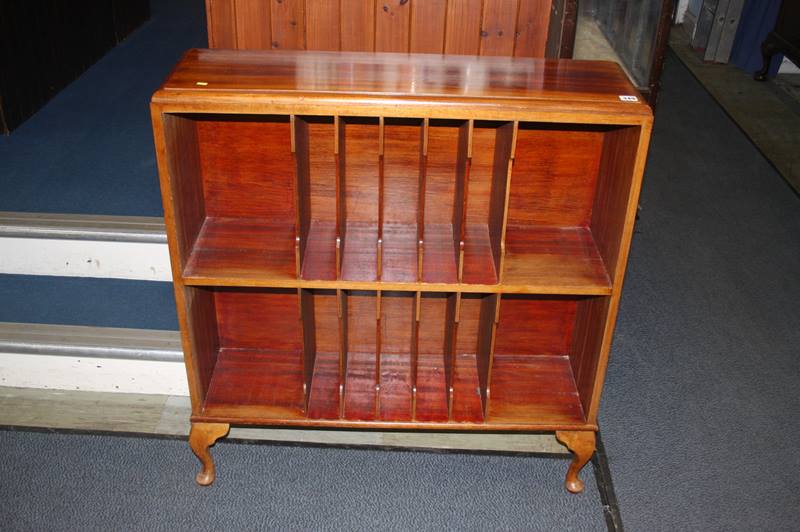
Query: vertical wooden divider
(451, 339)
(502, 179)
(341, 304)
(463, 165)
(341, 297)
(423, 166)
(379, 267)
(423, 169)
(490, 308)
(302, 203)
(415, 352)
(339, 155)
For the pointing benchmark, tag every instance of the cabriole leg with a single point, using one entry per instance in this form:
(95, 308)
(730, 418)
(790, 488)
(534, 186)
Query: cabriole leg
(201, 437)
(582, 444)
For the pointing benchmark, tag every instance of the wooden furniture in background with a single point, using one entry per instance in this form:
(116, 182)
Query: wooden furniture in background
(519, 28)
(398, 241)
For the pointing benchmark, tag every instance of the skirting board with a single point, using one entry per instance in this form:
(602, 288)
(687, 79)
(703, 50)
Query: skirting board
(118, 247)
(100, 359)
(163, 415)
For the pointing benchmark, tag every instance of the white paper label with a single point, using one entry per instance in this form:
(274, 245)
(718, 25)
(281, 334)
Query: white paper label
(628, 98)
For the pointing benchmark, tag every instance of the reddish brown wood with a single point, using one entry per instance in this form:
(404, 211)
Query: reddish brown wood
(392, 25)
(498, 27)
(535, 326)
(253, 27)
(614, 188)
(221, 19)
(243, 247)
(541, 255)
(288, 24)
(201, 317)
(432, 370)
(357, 25)
(360, 395)
(582, 445)
(287, 170)
(428, 26)
(494, 27)
(467, 84)
(324, 392)
(201, 437)
(532, 26)
(526, 388)
(466, 386)
(184, 165)
(322, 25)
(466, 16)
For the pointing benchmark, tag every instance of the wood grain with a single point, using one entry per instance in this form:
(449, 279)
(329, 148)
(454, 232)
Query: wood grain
(357, 25)
(428, 26)
(253, 25)
(288, 24)
(498, 27)
(466, 16)
(392, 25)
(322, 25)
(532, 25)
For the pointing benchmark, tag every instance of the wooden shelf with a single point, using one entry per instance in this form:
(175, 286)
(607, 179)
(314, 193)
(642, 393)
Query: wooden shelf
(565, 258)
(243, 248)
(536, 388)
(350, 252)
(256, 380)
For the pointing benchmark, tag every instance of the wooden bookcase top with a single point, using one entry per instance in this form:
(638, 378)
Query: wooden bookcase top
(363, 83)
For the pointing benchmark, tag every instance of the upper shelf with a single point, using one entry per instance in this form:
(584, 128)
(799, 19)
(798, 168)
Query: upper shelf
(479, 86)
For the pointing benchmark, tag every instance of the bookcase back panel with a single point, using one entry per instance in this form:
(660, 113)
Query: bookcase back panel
(397, 317)
(247, 167)
(440, 173)
(554, 176)
(535, 325)
(402, 156)
(322, 167)
(361, 144)
(325, 320)
(479, 189)
(259, 319)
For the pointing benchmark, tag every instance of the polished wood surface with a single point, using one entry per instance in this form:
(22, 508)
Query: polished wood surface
(463, 82)
(582, 445)
(201, 437)
(353, 250)
(485, 27)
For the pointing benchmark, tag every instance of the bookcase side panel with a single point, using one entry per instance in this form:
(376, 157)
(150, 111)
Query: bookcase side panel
(611, 206)
(203, 338)
(185, 182)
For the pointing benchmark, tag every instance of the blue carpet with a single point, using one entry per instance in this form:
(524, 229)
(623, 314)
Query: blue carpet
(85, 301)
(90, 149)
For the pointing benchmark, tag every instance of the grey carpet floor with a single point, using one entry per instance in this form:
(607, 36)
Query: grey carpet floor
(701, 410)
(700, 414)
(87, 482)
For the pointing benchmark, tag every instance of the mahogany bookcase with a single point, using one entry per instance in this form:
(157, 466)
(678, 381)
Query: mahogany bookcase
(398, 241)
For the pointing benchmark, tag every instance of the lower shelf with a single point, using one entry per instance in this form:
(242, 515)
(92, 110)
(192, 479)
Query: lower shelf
(267, 384)
(267, 387)
(534, 389)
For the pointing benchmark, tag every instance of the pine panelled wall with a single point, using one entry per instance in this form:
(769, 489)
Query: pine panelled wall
(519, 28)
